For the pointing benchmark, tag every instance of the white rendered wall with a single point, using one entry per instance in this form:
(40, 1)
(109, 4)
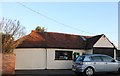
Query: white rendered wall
(33, 58)
(103, 42)
(59, 64)
(90, 51)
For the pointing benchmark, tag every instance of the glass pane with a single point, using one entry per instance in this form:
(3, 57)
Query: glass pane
(63, 55)
(80, 58)
(96, 58)
(107, 59)
(87, 59)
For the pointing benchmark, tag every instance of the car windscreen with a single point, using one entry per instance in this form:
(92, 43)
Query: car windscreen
(80, 58)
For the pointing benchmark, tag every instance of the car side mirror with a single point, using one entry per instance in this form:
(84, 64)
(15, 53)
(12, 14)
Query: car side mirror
(113, 60)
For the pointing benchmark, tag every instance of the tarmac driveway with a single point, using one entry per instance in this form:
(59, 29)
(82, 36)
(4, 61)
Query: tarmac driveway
(44, 72)
(55, 73)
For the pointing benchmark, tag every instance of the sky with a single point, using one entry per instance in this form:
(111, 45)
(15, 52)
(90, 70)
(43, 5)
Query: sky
(80, 18)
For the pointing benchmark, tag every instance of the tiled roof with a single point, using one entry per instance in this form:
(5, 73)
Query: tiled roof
(56, 40)
(91, 41)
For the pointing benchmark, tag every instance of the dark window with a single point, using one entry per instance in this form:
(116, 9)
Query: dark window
(107, 59)
(96, 58)
(63, 55)
(105, 51)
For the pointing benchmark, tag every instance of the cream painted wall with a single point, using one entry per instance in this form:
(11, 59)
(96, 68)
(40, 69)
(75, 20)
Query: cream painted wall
(59, 64)
(90, 51)
(32, 58)
(103, 42)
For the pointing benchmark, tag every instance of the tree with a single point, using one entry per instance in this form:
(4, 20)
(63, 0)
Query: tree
(10, 32)
(40, 29)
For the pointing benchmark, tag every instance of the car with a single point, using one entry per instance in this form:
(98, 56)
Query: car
(89, 64)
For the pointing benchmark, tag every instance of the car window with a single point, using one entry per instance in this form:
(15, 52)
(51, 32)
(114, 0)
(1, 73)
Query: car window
(80, 58)
(87, 59)
(107, 58)
(96, 58)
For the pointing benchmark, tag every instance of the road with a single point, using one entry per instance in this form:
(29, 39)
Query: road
(60, 75)
(109, 75)
(54, 73)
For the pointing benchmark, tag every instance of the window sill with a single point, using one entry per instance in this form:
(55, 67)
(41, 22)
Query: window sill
(64, 59)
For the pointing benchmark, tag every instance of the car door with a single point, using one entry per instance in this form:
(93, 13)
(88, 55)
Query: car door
(99, 65)
(110, 64)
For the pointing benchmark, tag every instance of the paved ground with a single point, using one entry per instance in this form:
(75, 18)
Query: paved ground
(57, 73)
(49, 72)
(53, 73)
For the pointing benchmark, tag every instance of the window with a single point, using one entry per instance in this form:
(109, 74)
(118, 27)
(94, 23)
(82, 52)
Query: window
(63, 55)
(96, 58)
(87, 59)
(107, 59)
(80, 58)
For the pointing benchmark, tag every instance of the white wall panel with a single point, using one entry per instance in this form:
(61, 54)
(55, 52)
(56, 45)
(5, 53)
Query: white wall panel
(59, 64)
(103, 42)
(31, 58)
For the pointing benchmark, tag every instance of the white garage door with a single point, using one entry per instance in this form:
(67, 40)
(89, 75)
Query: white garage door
(32, 58)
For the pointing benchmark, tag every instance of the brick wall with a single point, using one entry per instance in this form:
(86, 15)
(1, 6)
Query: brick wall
(8, 63)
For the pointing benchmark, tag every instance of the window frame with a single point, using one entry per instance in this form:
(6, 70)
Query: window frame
(80, 58)
(61, 52)
(107, 57)
(87, 59)
(96, 61)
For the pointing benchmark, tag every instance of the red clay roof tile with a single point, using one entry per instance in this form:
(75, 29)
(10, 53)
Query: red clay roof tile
(54, 40)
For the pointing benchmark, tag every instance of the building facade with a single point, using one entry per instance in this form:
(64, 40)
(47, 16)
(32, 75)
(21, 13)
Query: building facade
(50, 50)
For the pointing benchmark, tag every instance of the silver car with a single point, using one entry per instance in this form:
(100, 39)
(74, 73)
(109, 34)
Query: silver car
(89, 64)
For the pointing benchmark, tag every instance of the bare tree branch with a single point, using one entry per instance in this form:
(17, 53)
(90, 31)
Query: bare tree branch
(11, 31)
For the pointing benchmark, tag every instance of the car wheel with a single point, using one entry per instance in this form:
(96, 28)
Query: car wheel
(89, 71)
